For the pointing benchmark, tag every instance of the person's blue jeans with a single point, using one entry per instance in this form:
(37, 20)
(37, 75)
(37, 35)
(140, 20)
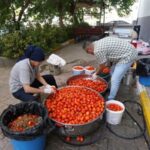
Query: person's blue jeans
(117, 73)
(21, 95)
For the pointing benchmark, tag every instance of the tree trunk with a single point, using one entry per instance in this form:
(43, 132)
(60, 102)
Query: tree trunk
(17, 25)
(60, 10)
(72, 11)
(61, 24)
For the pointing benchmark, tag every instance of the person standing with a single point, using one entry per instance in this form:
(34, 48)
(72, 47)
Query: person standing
(116, 51)
(25, 78)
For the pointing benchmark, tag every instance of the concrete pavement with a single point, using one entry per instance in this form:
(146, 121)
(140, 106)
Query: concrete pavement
(74, 55)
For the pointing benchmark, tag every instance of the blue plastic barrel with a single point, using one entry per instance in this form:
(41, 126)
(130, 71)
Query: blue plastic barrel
(34, 144)
(144, 80)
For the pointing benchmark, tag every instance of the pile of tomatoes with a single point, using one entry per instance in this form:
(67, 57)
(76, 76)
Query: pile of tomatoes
(78, 68)
(98, 85)
(106, 70)
(75, 105)
(90, 68)
(114, 107)
(24, 122)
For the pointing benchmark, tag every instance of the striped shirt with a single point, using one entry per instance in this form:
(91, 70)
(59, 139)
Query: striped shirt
(115, 50)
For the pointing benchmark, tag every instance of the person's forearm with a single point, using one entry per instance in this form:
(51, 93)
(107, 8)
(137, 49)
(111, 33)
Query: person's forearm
(100, 68)
(41, 80)
(33, 90)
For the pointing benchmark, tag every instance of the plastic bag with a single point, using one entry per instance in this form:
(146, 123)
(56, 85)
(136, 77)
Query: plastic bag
(56, 60)
(13, 111)
(143, 67)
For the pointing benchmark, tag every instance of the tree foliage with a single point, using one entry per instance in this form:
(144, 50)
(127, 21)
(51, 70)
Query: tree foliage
(123, 7)
(30, 21)
(16, 12)
(13, 12)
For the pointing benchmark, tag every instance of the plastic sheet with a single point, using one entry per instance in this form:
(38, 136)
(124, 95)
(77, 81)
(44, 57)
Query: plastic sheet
(13, 111)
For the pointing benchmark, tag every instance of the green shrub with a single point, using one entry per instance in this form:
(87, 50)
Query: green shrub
(12, 45)
(48, 37)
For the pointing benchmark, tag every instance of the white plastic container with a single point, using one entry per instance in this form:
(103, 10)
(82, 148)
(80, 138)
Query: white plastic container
(77, 70)
(114, 117)
(89, 71)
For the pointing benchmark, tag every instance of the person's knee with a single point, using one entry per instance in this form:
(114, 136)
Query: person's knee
(33, 98)
(16, 96)
(25, 98)
(116, 80)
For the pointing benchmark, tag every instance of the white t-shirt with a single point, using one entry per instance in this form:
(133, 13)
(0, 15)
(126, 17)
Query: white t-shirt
(21, 73)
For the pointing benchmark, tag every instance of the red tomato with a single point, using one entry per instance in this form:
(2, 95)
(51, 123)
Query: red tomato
(78, 67)
(74, 105)
(31, 123)
(90, 68)
(68, 139)
(80, 138)
(98, 85)
(106, 70)
(114, 107)
(24, 122)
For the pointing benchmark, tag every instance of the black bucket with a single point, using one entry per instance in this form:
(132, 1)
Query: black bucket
(105, 77)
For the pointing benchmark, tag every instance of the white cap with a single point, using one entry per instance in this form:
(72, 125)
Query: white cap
(56, 60)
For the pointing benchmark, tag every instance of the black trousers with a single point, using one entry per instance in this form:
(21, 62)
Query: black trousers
(21, 95)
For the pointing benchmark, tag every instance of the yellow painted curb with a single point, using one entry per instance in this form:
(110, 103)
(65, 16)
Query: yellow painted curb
(71, 41)
(145, 101)
(56, 49)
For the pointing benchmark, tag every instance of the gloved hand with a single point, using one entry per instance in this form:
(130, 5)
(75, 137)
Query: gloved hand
(47, 86)
(94, 76)
(48, 89)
